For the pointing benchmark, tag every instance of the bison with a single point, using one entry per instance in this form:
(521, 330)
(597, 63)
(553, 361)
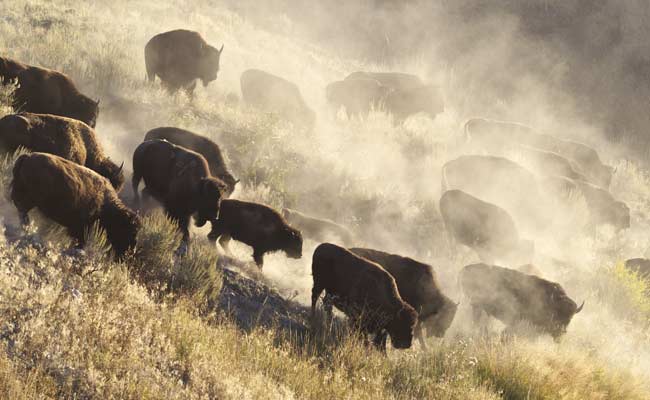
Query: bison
(9, 69)
(45, 91)
(179, 58)
(274, 94)
(484, 227)
(72, 196)
(419, 287)
(357, 96)
(512, 297)
(391, 80)
(317, 229)
(258, 226)
(365, 292)
(200, 144)
(179, 179)
(549, 163)
(64, 137)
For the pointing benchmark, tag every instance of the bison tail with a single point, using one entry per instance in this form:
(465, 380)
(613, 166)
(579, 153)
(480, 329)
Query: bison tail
(150, 62)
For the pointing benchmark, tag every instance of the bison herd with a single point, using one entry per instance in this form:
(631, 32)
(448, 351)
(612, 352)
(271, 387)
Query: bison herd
(68, 177)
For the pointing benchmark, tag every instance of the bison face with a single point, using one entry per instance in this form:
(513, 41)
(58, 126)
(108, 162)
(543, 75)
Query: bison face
(294, 249)
(209, 200)
(209, 64)
(401, 327)
(438, 324)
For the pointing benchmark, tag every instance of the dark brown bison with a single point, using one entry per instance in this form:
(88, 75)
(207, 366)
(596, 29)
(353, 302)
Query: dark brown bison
(258, 226)
(44, 91)
(179, 58)
(200, 144)
(72, 196)
(485, 228)
(639, 265)
(64, 137)
(365, 292)
(318, 229)
(403, 103)
(502, 182)
(9, 69)
(274, 94)
(179, 179)
(392, 80)
(418, 286)
(357, 96)
(548, 163)
(512, 297)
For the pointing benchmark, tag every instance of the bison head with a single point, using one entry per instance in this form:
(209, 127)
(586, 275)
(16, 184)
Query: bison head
(438, 323)
(112, 172)
(400, 328)
(208, 200)
(209, 64)
(562, 317)
(13, 131)
(86, 110)
(294, 243)
(230, 183)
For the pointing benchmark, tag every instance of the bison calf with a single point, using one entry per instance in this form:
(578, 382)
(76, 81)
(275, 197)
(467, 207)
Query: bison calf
(179, 179)
(258, 226)
(365, 292)
(72, 196)
(64, 137)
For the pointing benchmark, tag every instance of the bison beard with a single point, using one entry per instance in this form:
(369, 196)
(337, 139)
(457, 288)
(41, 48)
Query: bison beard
(365, 292)
(72, 196)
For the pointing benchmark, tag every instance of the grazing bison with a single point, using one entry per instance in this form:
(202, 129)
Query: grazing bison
(419, 287)
(512, 296)
(44, 91)
(72, 196)
(9, 69)
(391, 80)
(200, 144)
(639, 265)
(179, 179)
(317, 229)
(548, 163)
(274, 94)
(179, 58)
(403, 103)
(357, 96)
(64, 137)
(484, 227)
(502, 182)
(258, 226)
(365, 292)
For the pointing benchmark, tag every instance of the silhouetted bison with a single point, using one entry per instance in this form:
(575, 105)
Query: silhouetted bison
(274, 94)
(317, 229)
(9, 69)
(357, 96)
(512, 296)
(392, 80)
(72, 196)
(179, 58)
(64, 137)
(179, 179)
(365, 292)
(200, 144)
(44, 91)
(485, 228)
(418, 286)
(258, 226)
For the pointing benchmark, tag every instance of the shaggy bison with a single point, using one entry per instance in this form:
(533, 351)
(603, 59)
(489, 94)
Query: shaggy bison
(512, 296)
(179, 179)
(484, 227)
(179, 58)
(391, 80)
(64, 137)
(9, 69)
(200, 144)
(357, 96)
(274, 94)
(72, 196)
(258, 226)
(44, 91)
(365, 292)
(317, 229)
(418, 286)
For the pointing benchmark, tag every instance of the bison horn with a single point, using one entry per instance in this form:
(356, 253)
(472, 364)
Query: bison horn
(580, 308)
(237, 181)
(121, 166)
(221, 49)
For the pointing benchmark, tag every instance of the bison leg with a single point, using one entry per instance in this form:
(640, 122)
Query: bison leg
(258, 256)
(135, 182)
(183, 222)
(224, 242)
(419, 332)
(22, 205)
(315, 294)
(380, 341)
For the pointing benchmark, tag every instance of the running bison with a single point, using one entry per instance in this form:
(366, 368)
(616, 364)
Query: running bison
(200, 144)
(9, 69)
(179, 179)
(419, 287)
(258, 226)
(512, 297)
(365, 292)
(320, 230)
(357, 96)
(274, 94)
(179, 58)
(485, 228)
(64, 137)
(45, 91)
(72, 196)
